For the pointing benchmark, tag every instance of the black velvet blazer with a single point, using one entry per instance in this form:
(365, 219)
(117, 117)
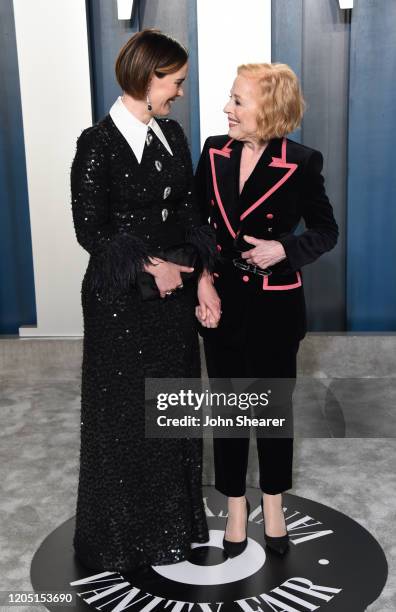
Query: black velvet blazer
(285, 186)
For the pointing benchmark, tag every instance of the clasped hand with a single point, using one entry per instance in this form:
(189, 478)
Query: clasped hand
(208, 312)
(167, 275)
(168, 278)
(265, 253)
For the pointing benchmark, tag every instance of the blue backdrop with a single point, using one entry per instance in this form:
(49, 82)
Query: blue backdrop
(17, 301)
(371, 228)
(347, 65)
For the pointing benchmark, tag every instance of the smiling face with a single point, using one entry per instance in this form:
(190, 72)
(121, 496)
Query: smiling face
(242, 109)
(164, 91)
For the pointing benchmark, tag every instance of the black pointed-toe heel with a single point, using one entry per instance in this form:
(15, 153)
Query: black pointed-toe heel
(278, 544)
(233, 549)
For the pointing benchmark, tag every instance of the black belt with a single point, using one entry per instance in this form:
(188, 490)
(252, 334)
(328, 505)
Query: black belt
(243, 265)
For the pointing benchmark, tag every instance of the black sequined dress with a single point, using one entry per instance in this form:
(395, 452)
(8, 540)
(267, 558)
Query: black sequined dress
(139, 499)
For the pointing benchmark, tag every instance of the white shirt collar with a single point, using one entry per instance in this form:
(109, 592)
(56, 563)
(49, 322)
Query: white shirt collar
(134, 130)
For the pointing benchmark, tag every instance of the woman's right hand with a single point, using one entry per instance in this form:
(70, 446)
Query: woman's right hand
(167, 275)
(208, 312)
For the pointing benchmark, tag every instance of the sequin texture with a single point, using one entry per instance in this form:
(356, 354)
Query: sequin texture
(139, 500)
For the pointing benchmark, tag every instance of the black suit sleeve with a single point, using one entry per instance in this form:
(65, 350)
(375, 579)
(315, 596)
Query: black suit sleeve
(116, 257)
(322, 230)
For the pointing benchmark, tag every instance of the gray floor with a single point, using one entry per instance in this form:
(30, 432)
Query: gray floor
(39, 433)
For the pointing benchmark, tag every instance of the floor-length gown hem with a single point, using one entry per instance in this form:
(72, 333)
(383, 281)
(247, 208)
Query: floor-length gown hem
(95, 561)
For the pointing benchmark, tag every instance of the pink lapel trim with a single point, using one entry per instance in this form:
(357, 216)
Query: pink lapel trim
(225, 152)
(276, 163)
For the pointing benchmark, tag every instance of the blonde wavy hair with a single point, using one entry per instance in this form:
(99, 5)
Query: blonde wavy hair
(281, 101)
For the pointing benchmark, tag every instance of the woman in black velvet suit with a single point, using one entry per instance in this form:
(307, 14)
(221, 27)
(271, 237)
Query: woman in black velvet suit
(256, 185)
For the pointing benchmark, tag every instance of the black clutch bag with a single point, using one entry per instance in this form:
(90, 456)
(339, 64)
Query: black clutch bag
(185, 254)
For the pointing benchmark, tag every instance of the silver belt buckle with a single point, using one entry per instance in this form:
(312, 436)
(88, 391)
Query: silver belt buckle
(240, 263)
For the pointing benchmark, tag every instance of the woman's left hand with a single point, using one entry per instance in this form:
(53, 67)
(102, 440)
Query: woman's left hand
(265, 253)
(209, 310)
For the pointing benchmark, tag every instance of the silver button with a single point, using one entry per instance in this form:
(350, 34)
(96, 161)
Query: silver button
(164, 214)
(167, 191)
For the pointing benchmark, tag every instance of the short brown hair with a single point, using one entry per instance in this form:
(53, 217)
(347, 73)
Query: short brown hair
(281, 101)
(147, 53)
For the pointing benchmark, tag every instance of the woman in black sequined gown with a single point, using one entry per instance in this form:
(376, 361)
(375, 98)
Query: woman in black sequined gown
(139, 500)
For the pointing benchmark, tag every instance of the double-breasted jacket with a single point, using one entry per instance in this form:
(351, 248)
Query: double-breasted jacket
(285, 187)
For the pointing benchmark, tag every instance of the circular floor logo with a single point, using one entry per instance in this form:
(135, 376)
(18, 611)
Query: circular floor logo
(333, 564)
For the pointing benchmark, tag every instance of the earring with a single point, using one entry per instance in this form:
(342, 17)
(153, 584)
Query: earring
(149, 107)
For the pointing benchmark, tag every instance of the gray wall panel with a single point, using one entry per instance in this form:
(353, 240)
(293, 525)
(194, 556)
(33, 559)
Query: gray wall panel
(326, 35)
(372, 179)
(195, 129)
(312, 36)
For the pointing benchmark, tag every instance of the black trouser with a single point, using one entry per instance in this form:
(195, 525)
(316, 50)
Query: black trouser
(275, 455)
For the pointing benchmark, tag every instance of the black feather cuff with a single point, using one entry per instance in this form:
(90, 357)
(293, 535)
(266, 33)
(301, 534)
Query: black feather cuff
(114, 269)
(203, 237)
